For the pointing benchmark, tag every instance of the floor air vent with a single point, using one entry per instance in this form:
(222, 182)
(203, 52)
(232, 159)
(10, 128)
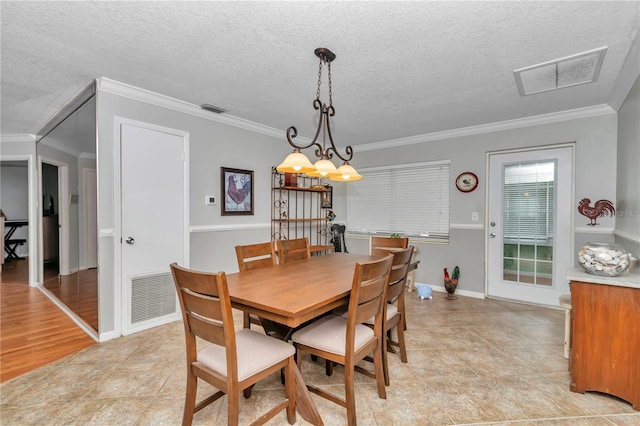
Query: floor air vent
(152, 296)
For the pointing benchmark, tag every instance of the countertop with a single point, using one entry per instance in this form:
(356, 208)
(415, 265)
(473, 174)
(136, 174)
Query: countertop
(578, 274)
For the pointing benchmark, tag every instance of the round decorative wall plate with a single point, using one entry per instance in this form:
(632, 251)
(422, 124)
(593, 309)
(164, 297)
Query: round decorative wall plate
(466, 181)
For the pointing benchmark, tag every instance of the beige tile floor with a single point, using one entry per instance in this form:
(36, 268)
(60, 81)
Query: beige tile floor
(471, 361)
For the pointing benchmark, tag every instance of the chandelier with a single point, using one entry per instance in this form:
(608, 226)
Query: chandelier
(297, 162)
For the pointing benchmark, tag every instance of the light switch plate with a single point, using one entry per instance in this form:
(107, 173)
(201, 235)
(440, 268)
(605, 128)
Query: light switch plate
(474, 216)
(210, 200)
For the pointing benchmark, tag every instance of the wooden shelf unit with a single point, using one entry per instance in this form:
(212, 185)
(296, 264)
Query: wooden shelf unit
(297, 212)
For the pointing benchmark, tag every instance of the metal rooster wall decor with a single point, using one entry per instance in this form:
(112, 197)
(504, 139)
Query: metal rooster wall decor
(601, 208)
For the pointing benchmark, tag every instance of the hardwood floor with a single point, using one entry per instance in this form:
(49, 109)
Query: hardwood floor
(33, 331)
(79, 291)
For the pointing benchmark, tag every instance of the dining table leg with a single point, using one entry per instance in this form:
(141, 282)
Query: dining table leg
(306, 407)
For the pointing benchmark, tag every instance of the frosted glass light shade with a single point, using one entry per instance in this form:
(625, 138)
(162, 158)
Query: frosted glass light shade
(346, 173)
(296, 162)
(324, 168)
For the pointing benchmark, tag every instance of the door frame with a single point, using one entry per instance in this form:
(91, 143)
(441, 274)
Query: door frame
(32, 209)
(487, 228)
(118, 288)
(63, 217)
(85, 171)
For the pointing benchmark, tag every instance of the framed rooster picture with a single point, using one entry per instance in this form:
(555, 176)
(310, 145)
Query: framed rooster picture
(237, 187)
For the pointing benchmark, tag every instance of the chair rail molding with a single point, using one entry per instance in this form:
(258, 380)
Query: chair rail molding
(224, 228)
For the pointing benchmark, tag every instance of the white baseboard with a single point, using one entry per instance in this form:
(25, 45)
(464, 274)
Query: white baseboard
(75, 318)
(103, 337)
(459, 292)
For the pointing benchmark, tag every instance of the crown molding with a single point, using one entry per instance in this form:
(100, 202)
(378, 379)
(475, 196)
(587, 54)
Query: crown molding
(88, 156)
(18, 138)
(52, 143)
(627, 76)
(135, 93)
(517, 123)
(163, 101)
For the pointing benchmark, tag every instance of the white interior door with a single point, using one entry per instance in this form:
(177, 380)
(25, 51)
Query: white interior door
(154, 208)
(529, 232)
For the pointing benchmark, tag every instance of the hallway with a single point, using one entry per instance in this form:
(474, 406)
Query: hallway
(33, 331)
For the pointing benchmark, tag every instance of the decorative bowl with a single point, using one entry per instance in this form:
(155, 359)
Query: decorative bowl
(424, 291)
(604, 259)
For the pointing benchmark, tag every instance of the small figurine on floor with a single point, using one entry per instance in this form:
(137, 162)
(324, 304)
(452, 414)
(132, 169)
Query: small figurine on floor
(450, 284)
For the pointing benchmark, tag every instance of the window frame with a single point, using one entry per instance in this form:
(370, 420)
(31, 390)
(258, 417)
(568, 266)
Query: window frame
(436, 223)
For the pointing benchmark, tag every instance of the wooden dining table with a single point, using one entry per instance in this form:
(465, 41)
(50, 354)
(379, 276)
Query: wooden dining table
(293, 293)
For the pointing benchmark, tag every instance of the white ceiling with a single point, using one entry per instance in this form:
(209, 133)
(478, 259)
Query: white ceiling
(402, 69)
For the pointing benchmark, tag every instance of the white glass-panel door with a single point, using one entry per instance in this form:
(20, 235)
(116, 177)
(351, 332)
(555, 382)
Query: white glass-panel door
(529, 232)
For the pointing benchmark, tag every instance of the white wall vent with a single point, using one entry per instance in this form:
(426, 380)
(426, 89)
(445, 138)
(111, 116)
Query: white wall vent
(569, 71)
(153, 299)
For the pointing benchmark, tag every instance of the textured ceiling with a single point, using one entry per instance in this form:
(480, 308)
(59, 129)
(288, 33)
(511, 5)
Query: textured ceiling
(402, 69)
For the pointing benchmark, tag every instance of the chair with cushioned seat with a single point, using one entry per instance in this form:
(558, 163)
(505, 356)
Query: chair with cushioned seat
(394, 308)
(254, 256)
(229, 363)
(347, 341)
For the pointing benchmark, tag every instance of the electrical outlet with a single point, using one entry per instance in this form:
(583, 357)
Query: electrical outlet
(210, 200)
(474, 216)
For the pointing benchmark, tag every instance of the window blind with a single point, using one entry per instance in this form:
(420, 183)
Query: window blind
(411, 200)
(529, 202)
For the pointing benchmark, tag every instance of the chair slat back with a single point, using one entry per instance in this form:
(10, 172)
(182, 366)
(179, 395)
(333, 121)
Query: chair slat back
(368, 291)
(293, 250)
(206, 307)
(384, 245)
(398, 274)
(254, 256)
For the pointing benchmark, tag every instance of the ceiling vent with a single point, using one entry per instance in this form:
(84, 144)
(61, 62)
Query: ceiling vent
(213, 108)
(569, 71)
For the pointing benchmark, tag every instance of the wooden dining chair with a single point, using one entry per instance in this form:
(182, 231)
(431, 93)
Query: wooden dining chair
(229, 363)
(254, 256)
(293, 250)
(394, 309)
(347, 341)
(384, 245)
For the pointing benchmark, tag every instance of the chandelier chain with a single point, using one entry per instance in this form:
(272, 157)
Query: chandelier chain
(330, 92)
(319, 80)
(297, 162)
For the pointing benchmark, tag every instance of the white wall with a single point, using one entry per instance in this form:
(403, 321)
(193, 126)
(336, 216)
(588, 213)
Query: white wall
(595, 171)
(23, 148)
(14, 200)
(628, 176)
(212, 145)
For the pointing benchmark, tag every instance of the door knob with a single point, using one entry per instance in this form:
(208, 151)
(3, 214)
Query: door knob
(492, 235)
(130, 240)
(492, 224)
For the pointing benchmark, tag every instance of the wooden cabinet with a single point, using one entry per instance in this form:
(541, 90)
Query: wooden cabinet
(299, 207)
(605, 353)
(50, 239)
